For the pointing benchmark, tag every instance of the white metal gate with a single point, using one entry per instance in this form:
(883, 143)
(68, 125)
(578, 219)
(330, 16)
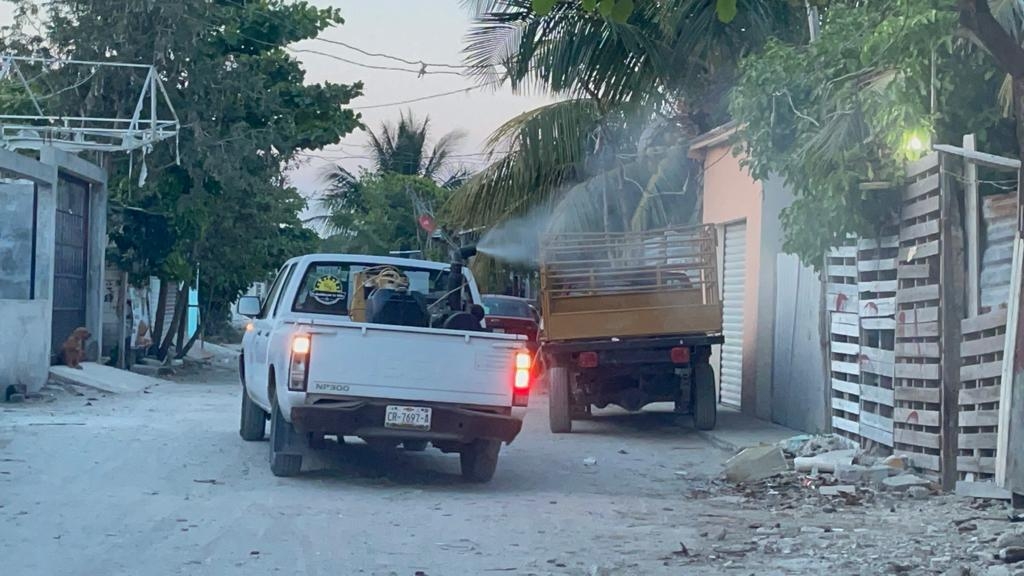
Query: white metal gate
(734, 272)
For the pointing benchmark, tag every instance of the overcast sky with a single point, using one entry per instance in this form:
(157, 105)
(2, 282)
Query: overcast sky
(415, 30)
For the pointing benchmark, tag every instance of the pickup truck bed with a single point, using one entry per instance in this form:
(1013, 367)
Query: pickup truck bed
(314, 372)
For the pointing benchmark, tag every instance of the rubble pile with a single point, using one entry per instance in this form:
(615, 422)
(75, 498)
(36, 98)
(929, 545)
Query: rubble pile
(832, 505)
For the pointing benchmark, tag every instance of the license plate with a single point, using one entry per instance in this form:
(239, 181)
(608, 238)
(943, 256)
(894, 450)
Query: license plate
(499, 330)
(407, 417)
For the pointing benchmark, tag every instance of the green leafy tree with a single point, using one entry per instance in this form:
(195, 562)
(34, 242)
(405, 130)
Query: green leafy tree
(226, 210)
(376, 211)
(834, 118)
(381, 215)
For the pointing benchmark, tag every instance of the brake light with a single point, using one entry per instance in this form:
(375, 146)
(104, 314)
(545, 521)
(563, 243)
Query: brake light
(521, 381)
(680, 355)
(298, 373)
(587, 359)
(300, 345)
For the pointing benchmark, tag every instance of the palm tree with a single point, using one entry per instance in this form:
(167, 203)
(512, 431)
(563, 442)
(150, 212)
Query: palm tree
(401, 148)
(657, 76)
(404, 148)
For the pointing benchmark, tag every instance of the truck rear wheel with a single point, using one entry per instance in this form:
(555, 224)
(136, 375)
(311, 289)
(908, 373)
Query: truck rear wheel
(253, 424)
(705, 407)
(284, 441)
(479, 460)
(559, 406)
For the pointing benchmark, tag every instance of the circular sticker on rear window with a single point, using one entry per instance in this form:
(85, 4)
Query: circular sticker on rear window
(328, 290)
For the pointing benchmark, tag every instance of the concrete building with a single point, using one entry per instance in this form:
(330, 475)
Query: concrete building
(772, 364)
(53, 233)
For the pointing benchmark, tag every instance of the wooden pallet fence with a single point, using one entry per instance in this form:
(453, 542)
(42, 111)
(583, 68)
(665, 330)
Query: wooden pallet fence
(844, 340)
(877, 284)
(917, 385)
(980, 372)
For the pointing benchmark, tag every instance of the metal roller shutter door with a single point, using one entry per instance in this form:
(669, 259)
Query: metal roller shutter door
(734, 274)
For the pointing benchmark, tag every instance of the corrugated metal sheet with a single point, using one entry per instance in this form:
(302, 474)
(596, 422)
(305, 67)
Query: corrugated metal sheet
(999, 213)
(734, 274)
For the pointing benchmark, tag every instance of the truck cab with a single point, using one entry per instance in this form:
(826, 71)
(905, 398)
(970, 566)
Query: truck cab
(385, 349)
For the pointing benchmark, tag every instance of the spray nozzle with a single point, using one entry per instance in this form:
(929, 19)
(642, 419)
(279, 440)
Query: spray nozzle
(462, 255)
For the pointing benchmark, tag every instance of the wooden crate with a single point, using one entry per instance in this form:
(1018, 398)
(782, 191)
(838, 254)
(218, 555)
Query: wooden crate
(877, 285)
(917, 386)
(844, 340)
(981, 351)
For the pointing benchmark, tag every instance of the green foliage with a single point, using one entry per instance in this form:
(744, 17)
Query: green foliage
(726, 10)
(618, 10)
(834, 115)
(377, 211)
(377, 214)
(226, 210)
(618, 78)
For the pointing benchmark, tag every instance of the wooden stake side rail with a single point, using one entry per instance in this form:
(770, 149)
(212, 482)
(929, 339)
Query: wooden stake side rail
(980, 377)
(917, 392)
(842, 297)
(650, 283)
(877, 285)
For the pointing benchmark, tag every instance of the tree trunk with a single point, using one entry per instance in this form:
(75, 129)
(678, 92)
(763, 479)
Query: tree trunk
(191, 341)
(183, 321)
(158, 322)
(180, 306)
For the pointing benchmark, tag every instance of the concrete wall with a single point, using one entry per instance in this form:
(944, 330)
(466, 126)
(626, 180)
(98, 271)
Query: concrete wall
(798, 372)
(776, 196)
(730, 194)
(17, 199)
(24, 343)
(25, 347)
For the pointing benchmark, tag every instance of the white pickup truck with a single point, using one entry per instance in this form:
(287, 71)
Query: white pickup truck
(419, 368)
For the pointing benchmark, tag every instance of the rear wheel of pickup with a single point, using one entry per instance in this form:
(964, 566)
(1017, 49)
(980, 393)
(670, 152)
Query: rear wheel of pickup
(253, 424)
(705, 407)
(284, 442)
(479, 460)
(559, 407)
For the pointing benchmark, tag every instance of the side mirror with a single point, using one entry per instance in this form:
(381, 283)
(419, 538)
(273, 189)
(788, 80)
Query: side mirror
(249, 306)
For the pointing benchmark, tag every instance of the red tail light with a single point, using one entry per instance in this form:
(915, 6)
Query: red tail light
(521, 380)
(680, 355)
(587, 360)
(298, 374)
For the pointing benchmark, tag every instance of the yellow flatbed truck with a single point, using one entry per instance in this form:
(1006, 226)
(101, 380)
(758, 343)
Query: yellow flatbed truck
(629, 319)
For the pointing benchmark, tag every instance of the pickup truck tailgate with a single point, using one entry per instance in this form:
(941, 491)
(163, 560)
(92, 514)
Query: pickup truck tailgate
(403, 363)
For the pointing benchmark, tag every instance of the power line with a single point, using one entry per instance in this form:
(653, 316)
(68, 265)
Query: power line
(421, 72)
(422, 98)
(395, 58)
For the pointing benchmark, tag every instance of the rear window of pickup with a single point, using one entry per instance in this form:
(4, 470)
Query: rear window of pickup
(326, 287)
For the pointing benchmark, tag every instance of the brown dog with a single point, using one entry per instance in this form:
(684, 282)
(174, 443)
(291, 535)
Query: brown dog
(73, 351)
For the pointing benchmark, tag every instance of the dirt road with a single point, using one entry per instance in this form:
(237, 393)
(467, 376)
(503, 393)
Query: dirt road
(160, 483)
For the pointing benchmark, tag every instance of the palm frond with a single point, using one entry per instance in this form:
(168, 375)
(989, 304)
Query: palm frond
(441, 154)
(547, 148)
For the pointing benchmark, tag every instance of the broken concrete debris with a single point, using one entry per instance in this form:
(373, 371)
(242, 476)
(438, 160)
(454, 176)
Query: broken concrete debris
(903, 482)
(837, 490)
(807, 445)
(1013, 539)
(756, 463)
(825, 461)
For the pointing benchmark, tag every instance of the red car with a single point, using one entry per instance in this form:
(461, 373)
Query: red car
(510, 315)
